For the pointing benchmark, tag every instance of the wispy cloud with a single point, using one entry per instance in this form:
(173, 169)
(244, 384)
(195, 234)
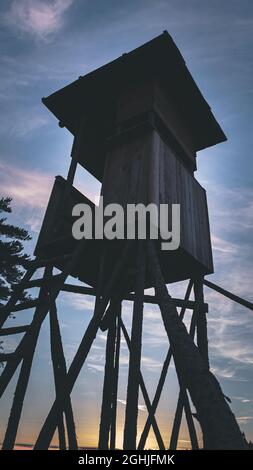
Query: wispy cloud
(22, 122)
(95, 367)
(230, 325)
(229, 372)
(79, 301)
(28, 187)
(30, 191)
(151, 363)
(244, 419)
(242, 399)
(36, 17)
(234, 212)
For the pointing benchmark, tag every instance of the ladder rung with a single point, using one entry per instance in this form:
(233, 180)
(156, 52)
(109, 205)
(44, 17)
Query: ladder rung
(13, 330)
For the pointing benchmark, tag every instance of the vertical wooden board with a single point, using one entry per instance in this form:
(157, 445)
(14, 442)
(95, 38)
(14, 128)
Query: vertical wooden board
(106, 189)
(161, 157)
(115, 186)
(122, 177)
(209, 246)
(197, 217)
(172, 188)
(186, 221)
(181, 187)
(185, 215)
(178, 181)
(124, 182)
(163, 164)
(137, 177)
(145, 169)
(194, 204)
(180, 194)
(174, 176)
(153, 163)
(204, 232)
(189, 215)
(202, 235)
(145, 156)
(206, 246)
(169, 178)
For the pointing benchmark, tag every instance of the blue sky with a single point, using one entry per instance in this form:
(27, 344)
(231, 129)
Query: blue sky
(47, 44)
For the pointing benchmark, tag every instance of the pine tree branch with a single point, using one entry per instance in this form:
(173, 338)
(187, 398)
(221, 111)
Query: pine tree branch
(11, 231)
(5, 204)
(12, 257)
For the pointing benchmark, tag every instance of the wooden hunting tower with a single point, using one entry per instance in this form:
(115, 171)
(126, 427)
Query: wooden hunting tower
(137, 123)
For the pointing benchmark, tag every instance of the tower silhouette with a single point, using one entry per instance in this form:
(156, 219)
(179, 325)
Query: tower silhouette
(137, 123)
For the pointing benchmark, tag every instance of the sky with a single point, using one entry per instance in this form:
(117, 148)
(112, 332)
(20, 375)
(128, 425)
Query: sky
(45, 45)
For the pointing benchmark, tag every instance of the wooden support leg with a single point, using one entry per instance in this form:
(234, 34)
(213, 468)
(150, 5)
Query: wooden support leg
(183, 403)
(190, 421)
(106, 409)
(198, 323)
(48, 429)
(57, 380)
(60, 371)
(39, 316)
(21, 388)
(13, 363)
(219, 426)
(130, 430)
(145, 395)
(161, 382)
(202, 340)
(61, 433)
(15, 296)
(115, 384)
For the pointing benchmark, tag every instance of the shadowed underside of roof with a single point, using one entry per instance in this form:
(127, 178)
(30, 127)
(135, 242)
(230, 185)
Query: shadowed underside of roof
(157, 59)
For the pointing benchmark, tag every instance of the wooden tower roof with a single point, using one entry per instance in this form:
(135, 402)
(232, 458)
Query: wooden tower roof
(158, 58)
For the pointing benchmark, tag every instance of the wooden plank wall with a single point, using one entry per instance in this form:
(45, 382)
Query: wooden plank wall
(179, 186)
(144, 169)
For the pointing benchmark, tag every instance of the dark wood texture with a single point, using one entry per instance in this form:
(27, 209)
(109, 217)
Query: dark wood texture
(106, 407)
(130, 429)
(60, 372)
(169, 182)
